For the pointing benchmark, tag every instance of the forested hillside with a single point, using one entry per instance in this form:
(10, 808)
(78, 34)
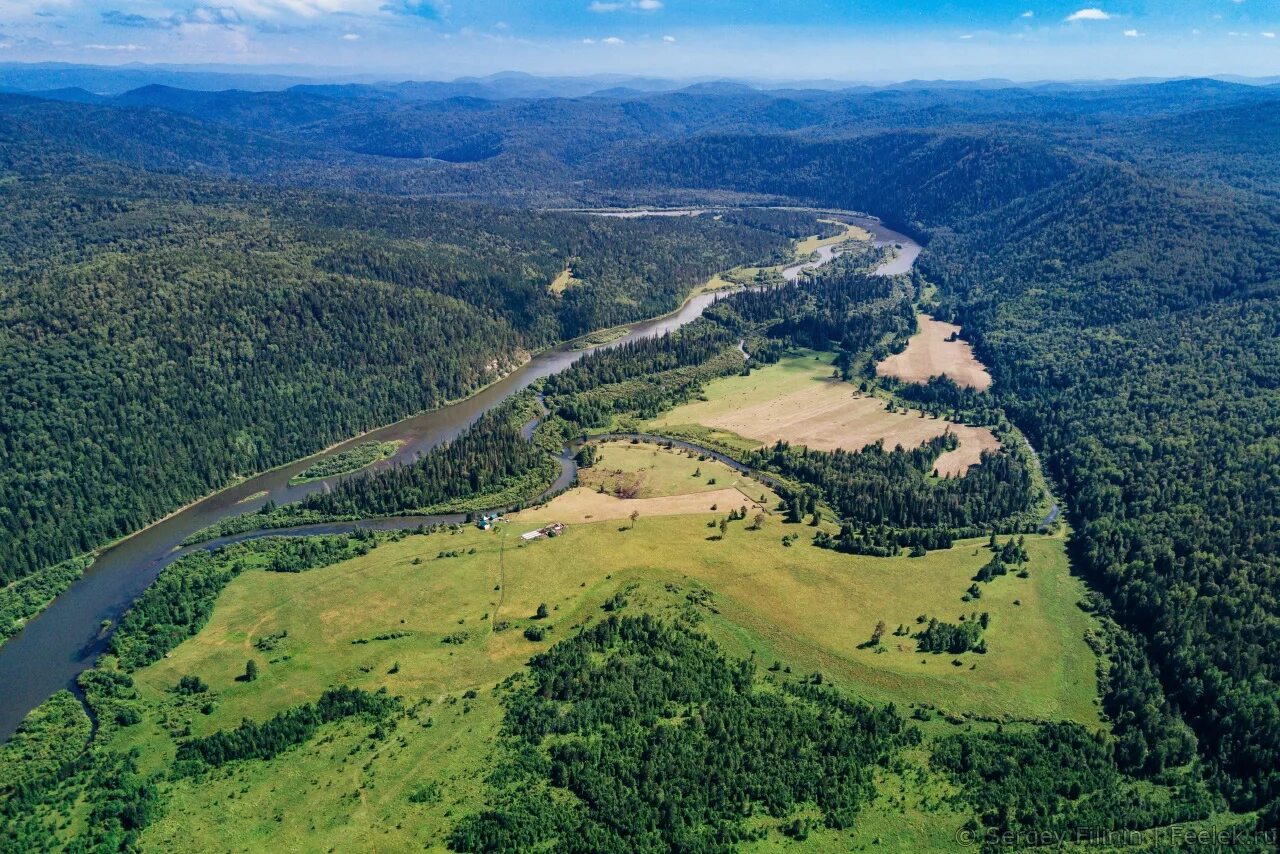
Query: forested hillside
(1131, 324)
(1114, 255)
(161, 336)
(1154, 395)
(558, 151)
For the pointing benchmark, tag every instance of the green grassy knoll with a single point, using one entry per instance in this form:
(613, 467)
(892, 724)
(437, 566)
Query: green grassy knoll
(806, 608)
(648, 471)
(440, 620)
(343, 790)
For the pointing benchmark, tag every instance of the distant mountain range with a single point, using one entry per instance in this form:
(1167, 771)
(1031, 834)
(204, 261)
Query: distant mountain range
(459, 139)
(54, 79)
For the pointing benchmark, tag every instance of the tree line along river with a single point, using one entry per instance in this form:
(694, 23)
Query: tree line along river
(67, 637)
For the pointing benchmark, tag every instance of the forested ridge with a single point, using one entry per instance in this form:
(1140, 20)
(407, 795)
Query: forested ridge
(1131, 325)
(1114, 257)
(161, 335)
(415, 138)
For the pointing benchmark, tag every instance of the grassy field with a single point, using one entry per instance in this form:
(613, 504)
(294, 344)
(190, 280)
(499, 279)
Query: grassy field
(809, 245)
(460, 622)
(797, 400)
(807, 608)
(648, 471)
(563, 281)
(934, 351)
(719, 282)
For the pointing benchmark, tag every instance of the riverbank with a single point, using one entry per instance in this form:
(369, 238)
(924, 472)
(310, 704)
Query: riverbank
(56, 645)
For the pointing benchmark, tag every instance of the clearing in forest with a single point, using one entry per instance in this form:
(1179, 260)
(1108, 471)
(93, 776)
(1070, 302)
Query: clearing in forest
(937, 350)
(563, 281)
(585, 505)
(798, 401)
(655, 481)
(809, 245)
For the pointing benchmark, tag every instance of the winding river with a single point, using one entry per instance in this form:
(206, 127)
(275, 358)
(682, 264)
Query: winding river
(51, 651)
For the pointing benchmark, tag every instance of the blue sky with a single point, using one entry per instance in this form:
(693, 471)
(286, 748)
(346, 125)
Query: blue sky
(769, 39)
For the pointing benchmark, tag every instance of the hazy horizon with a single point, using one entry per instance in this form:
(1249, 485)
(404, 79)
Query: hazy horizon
(771, 39)
(283, 75)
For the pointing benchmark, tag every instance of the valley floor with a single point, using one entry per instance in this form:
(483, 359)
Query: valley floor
(454, 628)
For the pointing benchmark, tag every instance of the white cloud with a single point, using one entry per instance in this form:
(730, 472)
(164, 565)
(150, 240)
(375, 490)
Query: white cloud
(613, 40)
(303, 8)
(1027, 14)
(1091, 14)
(1268, 35)
(350, 37)
(1132, 34)
(967, 36)
(201, 15)
(588, 41)
(669, 39)
(122, 47)
(236, 11)
(427, 10)
(604, 6)
(211, 36)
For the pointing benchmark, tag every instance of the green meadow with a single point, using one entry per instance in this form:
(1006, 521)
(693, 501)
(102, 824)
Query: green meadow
(452, 629)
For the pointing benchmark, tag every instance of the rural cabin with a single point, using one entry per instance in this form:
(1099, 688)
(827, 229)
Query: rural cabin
(552, 530)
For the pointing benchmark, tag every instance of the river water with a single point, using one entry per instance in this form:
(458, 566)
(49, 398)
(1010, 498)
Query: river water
(52, 650)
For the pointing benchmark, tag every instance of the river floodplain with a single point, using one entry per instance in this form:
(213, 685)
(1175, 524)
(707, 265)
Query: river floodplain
(442, 621)
(56, 645)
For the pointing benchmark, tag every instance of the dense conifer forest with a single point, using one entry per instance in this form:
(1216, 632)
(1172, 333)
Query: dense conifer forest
(163, 336)
(489, 461)
(667, 745)
(173, 318)
(1130, 322)
(875, 486)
